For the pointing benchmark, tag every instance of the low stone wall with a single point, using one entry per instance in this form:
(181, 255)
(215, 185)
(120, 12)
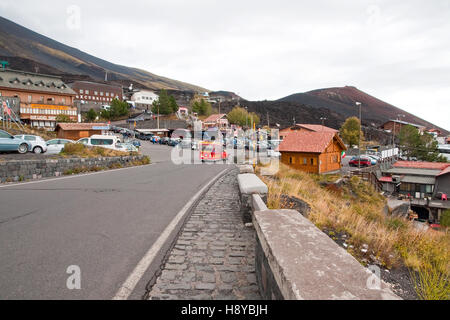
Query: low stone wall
(297, 261)
(22, 170)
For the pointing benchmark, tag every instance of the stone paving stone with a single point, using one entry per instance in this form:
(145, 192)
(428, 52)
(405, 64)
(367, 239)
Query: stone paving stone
(214, 255)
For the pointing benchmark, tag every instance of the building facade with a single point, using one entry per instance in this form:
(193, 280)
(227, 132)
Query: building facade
(396, 126)
(42, 98)
(144, 99)
(312, 152)
(219, 121)
(77, 131)
(93, 95)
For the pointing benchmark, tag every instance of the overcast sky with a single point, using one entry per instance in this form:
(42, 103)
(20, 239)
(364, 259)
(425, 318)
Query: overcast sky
(398, 51)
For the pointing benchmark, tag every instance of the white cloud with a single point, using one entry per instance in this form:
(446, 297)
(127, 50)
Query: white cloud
(395, 50)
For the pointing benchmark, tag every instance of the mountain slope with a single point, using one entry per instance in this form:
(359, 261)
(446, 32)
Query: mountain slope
(17, 41)
(343, 101)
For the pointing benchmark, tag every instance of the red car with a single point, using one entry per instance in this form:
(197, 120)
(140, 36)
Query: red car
(363, 162)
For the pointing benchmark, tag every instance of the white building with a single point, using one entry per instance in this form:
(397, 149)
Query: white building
(144, 99)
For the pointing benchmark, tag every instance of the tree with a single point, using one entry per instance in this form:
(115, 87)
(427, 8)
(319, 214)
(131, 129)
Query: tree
(165, 104)
(91, 115)
(63, 118)
(421, 146)
(118, 109)
(241, 117)
(351, 131)
(202, 107)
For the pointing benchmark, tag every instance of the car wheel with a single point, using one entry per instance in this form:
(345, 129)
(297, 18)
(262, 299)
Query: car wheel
(38, 150)
(23, 148)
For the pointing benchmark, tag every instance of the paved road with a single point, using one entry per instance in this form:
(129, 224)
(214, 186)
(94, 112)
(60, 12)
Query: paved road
(104, 223)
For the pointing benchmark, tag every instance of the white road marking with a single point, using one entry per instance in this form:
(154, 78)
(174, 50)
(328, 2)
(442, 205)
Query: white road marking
(133, 279)
(70, 177)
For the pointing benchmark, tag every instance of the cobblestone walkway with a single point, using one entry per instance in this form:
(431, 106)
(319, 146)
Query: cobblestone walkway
(214, 256)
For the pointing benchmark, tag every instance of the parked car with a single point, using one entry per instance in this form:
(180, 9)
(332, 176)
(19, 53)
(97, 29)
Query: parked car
(136, 143)
(38, 145)
(173, 142)
(186, 144)
(363, 162)
(108, 142)
(146, 136)
(273, 153)
(374, 160)
(164, 140)
(9, 143)
(55, 146)
(126, 147)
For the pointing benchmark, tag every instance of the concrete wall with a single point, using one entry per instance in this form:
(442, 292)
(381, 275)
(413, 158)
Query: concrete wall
(297, 261)
(13, 171)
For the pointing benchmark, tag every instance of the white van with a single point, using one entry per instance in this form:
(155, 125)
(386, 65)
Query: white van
(108, 142)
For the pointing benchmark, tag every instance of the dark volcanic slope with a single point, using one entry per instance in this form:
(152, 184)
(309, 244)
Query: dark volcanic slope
(342, 101)
(17, 41)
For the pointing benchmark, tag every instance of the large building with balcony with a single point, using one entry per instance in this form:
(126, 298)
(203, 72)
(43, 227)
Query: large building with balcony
(41, 98)
(93, 95)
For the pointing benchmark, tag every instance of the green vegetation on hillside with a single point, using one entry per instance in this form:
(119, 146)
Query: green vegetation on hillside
(351, 132)
(165, 104)
(420, 146)
(242, 117)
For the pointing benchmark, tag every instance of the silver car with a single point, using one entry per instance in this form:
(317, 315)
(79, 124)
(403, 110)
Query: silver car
(55, 146)
(38, 145)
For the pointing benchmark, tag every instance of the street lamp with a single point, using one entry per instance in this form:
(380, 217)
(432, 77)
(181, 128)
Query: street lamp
(360, 129)
(323, 121)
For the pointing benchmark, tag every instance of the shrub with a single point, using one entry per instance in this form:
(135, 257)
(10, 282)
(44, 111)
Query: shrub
(445, 218)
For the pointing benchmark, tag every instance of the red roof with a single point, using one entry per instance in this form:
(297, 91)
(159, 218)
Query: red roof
(445, 171)
(313, 142)
(80, 126)
(421, 165)
(214, 118)
(317, 128)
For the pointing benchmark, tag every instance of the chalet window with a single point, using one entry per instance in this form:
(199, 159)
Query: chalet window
(29, 99)
(312, 161)
(290, 160)
(305, 161)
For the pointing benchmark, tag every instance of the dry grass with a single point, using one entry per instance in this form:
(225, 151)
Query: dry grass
(358, 210)
(46, 135)
(80, 150)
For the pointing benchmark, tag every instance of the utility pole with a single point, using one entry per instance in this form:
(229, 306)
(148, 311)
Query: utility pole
(360, 129)
(158, 116)
(268, 120)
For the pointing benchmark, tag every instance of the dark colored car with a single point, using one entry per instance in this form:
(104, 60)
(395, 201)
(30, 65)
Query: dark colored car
(136, 143)
(173, 142)
(164, 140)
(363, 162)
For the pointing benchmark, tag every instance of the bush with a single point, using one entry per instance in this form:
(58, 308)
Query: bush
(445, 218)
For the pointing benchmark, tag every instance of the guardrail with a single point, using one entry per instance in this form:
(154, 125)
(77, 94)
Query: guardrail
(297, 261)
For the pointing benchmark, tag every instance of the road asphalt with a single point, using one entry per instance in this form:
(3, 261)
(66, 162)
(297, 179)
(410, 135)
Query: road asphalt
(103, 223)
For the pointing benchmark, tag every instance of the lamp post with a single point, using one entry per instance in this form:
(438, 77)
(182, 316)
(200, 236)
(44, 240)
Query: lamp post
(360, 129)
(323, 121)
